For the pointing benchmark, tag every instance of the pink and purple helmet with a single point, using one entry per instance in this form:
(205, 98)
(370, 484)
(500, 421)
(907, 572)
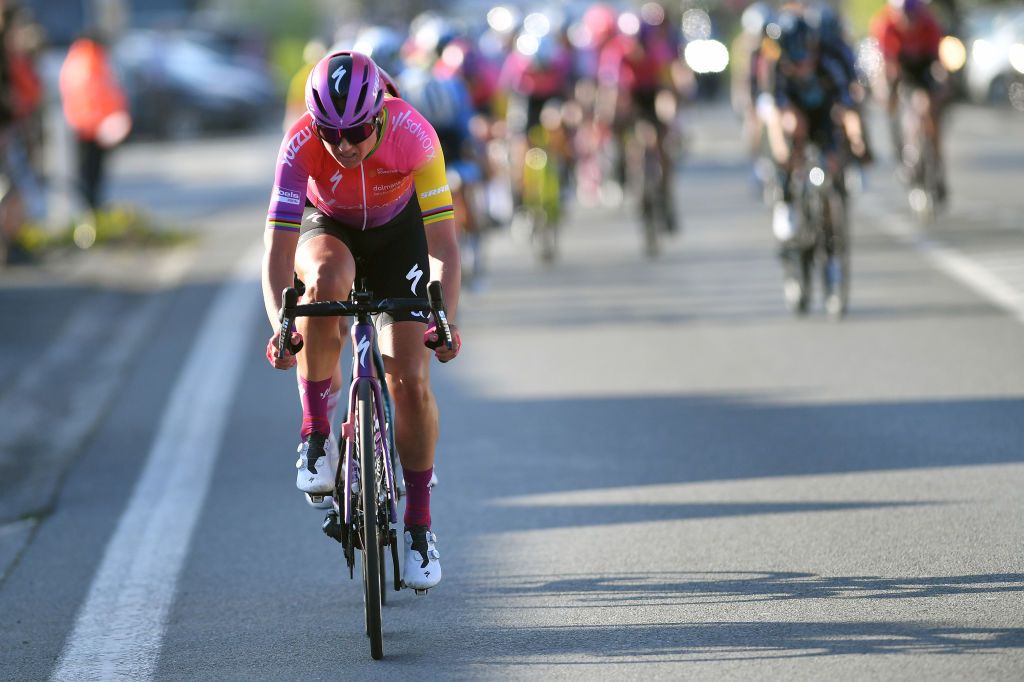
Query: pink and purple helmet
(344, 90)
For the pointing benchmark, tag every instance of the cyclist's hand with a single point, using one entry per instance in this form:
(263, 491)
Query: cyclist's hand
(432, 339)
(288, 361)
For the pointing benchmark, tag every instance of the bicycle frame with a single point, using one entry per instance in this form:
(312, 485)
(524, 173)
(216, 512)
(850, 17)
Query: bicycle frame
(365, 369)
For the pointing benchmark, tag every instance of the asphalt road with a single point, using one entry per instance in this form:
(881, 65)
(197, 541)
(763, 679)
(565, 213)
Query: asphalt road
(648, 470)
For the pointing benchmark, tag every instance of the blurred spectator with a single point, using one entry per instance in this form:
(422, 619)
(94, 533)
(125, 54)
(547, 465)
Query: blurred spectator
(295, 104)
(24, 45)
(14, 170)
(96, 109)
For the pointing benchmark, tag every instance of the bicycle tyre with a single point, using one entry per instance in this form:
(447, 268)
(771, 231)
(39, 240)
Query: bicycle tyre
(838, 256)
(649, 213)
(383, 576)
(371, 541)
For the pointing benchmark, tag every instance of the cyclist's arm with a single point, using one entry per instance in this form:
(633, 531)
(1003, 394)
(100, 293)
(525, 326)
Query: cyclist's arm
(284, 217)
(278, 269)
(435, 199)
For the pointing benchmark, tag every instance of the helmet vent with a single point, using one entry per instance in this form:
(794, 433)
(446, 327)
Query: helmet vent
(362, 96)
(319, 104)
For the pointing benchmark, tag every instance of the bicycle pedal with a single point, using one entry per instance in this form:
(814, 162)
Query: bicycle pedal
(421, 593)
(319, 501)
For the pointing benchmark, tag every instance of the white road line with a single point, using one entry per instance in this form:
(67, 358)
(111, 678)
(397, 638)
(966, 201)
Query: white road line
(120, 627)
(966, 269)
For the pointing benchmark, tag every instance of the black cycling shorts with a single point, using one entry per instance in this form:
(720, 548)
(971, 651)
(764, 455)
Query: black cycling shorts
(645, 107)
(917, 73)
(822, 129)
(392, 257)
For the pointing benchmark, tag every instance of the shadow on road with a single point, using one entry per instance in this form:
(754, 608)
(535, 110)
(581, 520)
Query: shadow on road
(720, 641)
(695, 642)
(540, 516)
(588, 444)
(684, 587)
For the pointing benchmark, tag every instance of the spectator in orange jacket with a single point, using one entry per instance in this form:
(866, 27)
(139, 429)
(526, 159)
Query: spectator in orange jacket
(96, 109)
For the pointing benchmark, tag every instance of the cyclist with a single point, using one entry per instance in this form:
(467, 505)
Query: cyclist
(536, 79)
(598, 28)
(811, 93)
(811, 97)
(641, 78)
(745, 60)
(373, 169)
(909, 36)
(832, 41)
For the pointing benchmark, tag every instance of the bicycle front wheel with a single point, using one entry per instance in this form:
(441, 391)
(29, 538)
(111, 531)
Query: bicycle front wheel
(372, 564)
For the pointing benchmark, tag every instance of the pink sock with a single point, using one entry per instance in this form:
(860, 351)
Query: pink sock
(417, 500)
(314, 396)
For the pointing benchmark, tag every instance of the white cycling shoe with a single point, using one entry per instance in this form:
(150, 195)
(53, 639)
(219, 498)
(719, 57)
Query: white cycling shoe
(317, 464)
(422, 568)
(783, 221)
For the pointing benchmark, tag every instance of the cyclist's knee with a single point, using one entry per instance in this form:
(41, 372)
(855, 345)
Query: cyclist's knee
(327, 283)
(411, 389)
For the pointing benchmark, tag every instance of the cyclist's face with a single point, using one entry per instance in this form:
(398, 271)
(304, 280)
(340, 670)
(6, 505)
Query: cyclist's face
(350, 155)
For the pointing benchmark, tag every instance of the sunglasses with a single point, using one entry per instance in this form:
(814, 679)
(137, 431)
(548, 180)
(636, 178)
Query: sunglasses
(353, 135)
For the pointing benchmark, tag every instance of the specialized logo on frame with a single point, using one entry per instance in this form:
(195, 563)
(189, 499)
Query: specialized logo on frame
(364, 345)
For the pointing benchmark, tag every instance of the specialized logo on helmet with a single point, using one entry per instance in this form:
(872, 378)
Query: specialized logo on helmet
(338, 74)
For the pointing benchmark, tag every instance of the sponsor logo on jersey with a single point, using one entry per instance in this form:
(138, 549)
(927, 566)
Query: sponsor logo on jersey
(294, 145)
(386, 188)
(417, 130)
(434, 192)
(287, 196)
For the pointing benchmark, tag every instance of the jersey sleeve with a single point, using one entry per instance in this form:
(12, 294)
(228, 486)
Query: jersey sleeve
(288, 197)
(433, 192)
(428, 169)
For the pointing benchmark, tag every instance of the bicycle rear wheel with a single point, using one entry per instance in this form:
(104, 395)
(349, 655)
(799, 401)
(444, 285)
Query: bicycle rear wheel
(651, 204)
(371, 549)
(836, 271)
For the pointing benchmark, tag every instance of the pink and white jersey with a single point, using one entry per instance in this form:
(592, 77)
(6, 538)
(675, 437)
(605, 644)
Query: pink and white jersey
(407, 158)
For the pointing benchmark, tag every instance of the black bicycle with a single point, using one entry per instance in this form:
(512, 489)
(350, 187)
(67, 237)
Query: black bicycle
(919, 167)
(653, 187)
(363, 513)
(823, 237)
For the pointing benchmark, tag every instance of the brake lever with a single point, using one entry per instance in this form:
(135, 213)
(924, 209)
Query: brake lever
(289, 299)
(435, 296)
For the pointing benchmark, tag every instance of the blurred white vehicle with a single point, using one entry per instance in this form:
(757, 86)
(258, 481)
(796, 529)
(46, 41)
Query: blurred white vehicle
(995, 62)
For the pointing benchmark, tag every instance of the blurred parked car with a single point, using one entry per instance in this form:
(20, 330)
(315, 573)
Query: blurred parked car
(181, 84)
(995, 64)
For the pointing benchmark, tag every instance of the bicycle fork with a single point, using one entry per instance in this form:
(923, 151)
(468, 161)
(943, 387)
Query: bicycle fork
(364, 369)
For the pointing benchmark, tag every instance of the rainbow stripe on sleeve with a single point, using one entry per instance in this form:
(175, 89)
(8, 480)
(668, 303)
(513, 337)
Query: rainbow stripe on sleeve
(283, 224)
(438, 214)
